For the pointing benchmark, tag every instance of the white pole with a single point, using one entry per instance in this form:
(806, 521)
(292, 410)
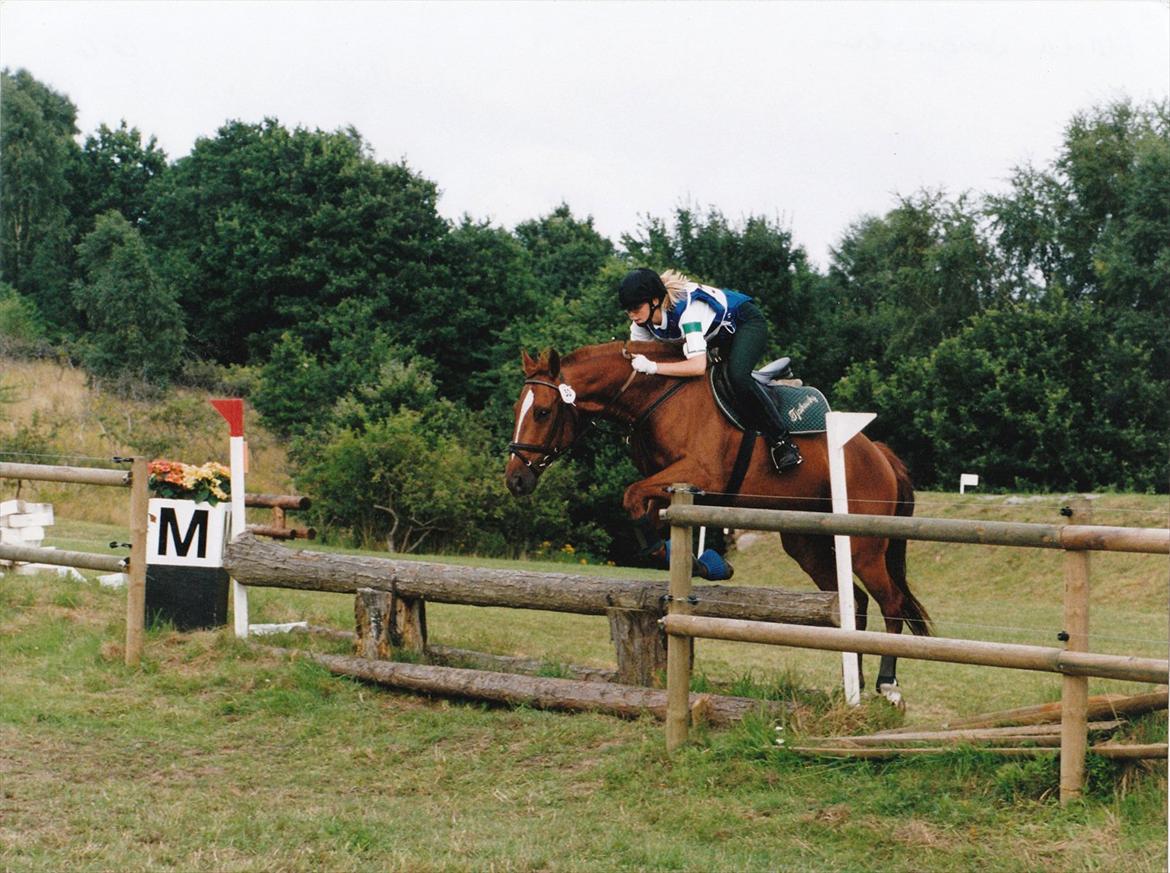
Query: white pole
(239, 525)
(232, 410)
(841, 427)
(702, 540)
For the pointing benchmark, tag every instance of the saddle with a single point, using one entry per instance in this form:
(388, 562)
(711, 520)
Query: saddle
(801, 406)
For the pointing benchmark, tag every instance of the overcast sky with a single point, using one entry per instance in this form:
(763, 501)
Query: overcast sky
(810, 113)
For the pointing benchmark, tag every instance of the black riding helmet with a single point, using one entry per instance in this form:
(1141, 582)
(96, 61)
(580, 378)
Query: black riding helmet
(642, 286)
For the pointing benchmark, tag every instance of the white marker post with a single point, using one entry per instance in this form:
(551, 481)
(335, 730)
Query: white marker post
(840, 428)
(233, 412)
(968, 480)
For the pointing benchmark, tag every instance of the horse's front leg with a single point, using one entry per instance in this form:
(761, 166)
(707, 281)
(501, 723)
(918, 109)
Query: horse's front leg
(644, 499)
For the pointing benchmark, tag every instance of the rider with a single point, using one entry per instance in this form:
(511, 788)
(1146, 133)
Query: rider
(673, 309)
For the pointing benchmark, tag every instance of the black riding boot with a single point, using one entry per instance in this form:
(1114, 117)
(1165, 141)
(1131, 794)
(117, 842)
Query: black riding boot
(783, 451)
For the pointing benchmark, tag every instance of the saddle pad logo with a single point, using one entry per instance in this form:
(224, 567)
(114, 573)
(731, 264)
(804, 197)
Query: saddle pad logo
(796, 413)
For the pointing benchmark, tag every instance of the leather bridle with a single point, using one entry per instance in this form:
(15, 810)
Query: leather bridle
(549, 451)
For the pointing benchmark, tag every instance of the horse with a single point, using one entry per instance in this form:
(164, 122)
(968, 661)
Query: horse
(679, 435)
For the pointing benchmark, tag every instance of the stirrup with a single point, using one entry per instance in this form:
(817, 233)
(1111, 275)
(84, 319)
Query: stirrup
(785, 455)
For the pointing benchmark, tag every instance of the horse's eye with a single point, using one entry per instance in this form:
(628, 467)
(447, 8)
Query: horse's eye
(542, 414)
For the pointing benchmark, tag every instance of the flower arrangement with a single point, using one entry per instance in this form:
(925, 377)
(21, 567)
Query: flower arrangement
(210, 483)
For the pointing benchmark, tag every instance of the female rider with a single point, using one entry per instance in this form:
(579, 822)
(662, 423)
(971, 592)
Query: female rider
(671, 308)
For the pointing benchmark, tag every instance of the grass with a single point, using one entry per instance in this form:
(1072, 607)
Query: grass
(220, 756)
(217, 756)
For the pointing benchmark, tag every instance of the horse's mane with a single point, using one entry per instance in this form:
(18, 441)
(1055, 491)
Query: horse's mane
(649, 348)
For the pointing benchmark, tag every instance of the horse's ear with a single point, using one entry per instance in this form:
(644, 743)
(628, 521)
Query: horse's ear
(529, 365)
(554, 363)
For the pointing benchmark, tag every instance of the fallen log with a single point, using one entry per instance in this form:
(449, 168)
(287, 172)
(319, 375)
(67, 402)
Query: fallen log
(254, 562)
(1099, 706)
(449, 656)
(570, 695)
(277, 501)
(1040, 734)
(1105, 750)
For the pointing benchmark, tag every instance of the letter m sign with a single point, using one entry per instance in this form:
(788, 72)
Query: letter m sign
(185, 533)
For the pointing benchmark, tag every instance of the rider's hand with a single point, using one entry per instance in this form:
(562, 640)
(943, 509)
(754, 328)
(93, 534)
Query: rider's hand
(643, 364)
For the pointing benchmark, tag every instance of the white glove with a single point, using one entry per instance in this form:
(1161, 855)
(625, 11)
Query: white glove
(643, 364)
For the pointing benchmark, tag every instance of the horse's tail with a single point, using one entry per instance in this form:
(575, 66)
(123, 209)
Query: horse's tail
(914, 613)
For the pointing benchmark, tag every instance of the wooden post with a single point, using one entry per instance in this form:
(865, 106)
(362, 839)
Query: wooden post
(373, 615)
(385, 621)
(409, 631)
(1074, 735)
(679, 648)
(136, 572)
(640, 645)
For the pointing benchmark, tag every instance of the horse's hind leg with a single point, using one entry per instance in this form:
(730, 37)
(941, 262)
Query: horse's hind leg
(816, 557)
(869, 562)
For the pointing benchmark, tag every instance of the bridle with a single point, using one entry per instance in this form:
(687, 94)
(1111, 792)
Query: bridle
(549, 450)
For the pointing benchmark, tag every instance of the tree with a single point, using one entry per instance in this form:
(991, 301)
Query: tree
(114, 171)
(133, 323)
(1029, 397)
(566, 254)
(265, 230)
(37, 126)
(900, 283)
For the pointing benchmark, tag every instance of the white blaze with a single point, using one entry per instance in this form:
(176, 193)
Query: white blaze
(524, 407)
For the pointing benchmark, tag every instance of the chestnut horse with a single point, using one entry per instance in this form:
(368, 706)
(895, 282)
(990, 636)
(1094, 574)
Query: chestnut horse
(684, 438)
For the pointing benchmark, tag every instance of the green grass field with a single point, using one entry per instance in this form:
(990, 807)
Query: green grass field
(219, 756)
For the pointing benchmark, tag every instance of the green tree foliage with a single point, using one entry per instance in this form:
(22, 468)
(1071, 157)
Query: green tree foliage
(1095, 225)
(133, 323)
(1032, 398)
(114, 171)
(266, 230)
(37, 126)
(901, 283)
(21, 325)
(565, 253)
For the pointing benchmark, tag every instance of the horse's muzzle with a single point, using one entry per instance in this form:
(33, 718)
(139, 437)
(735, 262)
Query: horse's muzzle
(520, 480)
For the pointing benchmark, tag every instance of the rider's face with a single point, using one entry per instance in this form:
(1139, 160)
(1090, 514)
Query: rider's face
(640, 314)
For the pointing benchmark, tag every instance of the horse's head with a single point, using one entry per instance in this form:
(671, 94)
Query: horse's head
(547, 422)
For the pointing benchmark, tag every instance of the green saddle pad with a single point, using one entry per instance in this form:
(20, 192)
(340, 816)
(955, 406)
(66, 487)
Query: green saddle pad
(802, 407)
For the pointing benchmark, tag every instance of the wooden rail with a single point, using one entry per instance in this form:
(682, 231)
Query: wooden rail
(1073, 662)
(135, 566)
(955, 651)
(947, 530)
(255, 562)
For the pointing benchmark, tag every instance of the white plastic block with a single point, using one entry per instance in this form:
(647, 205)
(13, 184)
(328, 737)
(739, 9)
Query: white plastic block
(112, 580)
(41, 518)
(264, 629)
(8, 507)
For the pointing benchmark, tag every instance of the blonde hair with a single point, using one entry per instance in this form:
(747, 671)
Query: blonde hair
(677, 285)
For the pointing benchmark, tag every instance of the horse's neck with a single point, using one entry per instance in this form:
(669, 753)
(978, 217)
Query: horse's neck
(602, 384)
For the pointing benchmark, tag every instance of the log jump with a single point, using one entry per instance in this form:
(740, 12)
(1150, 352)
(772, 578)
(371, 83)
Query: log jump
(390, 615)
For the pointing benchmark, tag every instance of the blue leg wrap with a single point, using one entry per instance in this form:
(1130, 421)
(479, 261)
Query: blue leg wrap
(711, 566)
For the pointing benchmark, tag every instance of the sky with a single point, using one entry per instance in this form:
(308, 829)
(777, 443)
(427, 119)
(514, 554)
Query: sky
(812, 114)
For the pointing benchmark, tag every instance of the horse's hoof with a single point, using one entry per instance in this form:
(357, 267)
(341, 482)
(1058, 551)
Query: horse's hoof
(890, 691)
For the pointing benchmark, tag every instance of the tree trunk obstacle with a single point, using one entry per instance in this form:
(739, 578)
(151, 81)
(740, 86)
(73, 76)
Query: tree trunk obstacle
(390, 617)
(257, 563)
(572, 695)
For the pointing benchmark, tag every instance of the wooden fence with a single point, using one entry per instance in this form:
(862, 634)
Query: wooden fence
(682, 624)
(390, 596)
(135, 567)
